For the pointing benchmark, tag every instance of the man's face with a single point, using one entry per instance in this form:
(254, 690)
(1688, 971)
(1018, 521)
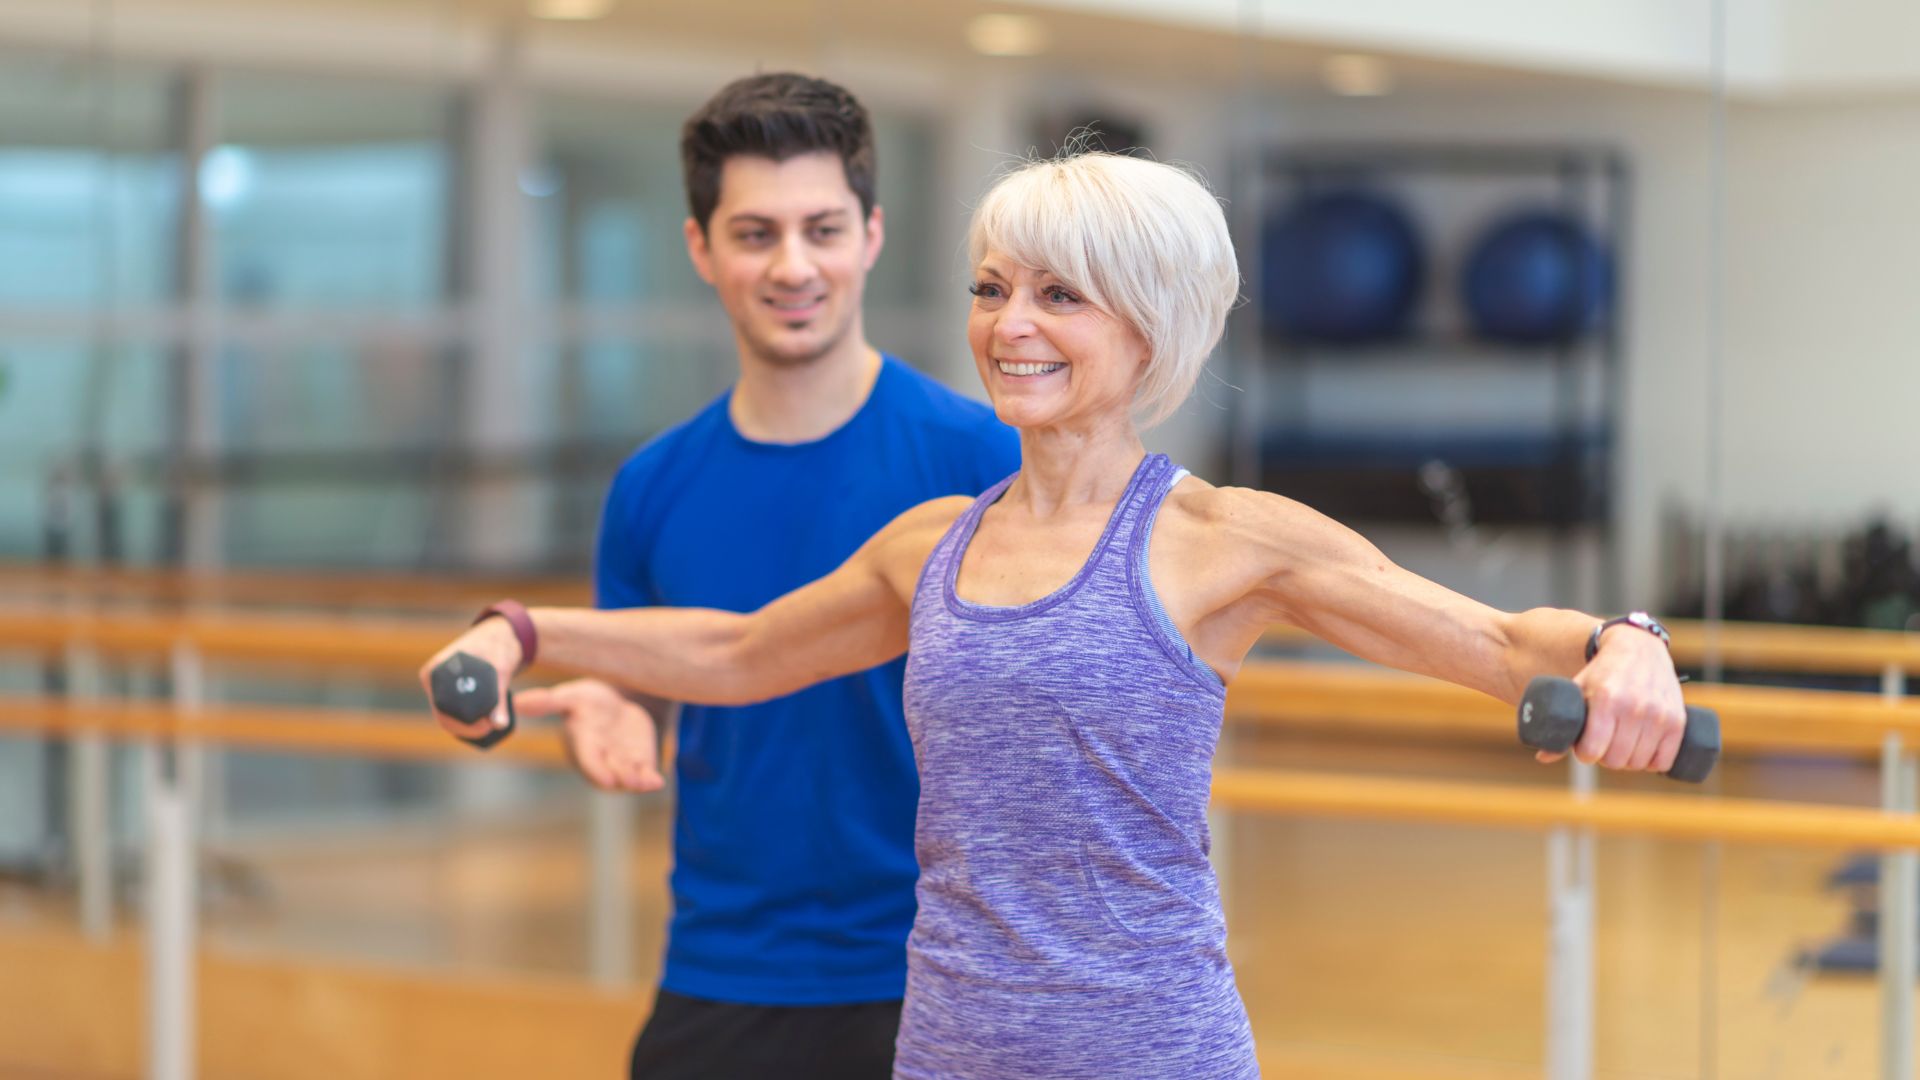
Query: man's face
(788, 254)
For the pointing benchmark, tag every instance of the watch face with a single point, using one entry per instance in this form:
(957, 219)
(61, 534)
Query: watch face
(1647, 622)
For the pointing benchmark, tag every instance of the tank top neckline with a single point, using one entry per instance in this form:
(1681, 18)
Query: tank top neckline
(1150, 466)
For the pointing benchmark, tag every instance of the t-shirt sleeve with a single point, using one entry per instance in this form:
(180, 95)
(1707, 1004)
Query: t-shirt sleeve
(620, 575)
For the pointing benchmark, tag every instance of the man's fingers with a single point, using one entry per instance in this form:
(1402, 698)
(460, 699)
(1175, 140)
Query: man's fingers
(642, 775)
(598, 770)
(539, 701)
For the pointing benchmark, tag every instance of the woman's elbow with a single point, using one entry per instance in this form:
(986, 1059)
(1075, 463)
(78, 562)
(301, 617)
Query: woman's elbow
(744, 666)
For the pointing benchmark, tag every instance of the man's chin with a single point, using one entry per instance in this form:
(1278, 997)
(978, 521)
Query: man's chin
(791, 356)
(794, 350)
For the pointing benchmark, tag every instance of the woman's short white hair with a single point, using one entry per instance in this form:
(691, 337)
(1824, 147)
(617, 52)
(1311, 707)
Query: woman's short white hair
(1142, 240)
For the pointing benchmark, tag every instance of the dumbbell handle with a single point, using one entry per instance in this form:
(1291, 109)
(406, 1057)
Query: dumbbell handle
(1553, 714)
(466, 688)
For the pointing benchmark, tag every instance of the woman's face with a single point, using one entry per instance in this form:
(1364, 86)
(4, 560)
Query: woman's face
(1047, 357)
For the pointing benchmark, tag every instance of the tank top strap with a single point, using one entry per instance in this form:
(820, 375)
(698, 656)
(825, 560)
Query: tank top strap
(940, 569)
(1135, 512)
(1151, 495)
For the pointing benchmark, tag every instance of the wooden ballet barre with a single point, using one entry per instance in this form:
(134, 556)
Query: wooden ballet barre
(1835, 650)
(1754, 646)
(404, 735)
(371, 642)
(1677, 817)
(1342, 697)
(312, 588)
(1826, 650)
(1355, 698)
(293, 729)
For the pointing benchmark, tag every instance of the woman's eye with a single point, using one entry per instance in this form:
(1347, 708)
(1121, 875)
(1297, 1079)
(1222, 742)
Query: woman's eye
(984, 291)
(1061, 296)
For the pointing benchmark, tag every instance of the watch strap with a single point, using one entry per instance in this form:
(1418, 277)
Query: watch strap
(1637, 619)
(522, 623)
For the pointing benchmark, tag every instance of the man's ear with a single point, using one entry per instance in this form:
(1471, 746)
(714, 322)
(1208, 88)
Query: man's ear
(876, 236)
(698, 250)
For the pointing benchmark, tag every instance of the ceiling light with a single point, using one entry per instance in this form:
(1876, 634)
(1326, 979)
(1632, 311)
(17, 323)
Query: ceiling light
(1357, 75)
(1007, 35)
(570, 9)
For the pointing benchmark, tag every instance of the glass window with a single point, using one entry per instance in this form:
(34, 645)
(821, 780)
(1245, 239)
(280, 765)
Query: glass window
(87, 185)
(65, 408)
(609, 204)
(907, 150)
(329, 193)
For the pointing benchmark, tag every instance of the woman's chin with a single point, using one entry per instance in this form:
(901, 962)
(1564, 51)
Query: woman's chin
(1021, 415)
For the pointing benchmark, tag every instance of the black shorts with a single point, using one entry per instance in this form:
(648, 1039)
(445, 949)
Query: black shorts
(696, 1039)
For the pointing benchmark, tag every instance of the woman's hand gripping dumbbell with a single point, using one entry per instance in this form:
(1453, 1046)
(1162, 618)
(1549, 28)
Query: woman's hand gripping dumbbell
(1553, 716)
(467, 681)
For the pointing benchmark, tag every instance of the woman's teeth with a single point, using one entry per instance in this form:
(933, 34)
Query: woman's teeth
(1028, 369)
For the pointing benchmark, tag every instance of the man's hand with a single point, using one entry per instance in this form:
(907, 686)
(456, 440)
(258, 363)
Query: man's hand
(612, 740)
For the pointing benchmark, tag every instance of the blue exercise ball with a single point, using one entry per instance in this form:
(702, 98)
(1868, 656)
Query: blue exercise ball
(1537, 278)
(1341, 267)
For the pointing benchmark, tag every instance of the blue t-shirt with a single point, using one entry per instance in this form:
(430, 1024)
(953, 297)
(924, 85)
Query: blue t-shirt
(793, 866)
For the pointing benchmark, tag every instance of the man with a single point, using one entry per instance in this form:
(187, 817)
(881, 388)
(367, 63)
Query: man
(793, 839)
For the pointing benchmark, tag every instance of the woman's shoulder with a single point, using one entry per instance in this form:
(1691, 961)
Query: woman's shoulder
(1198, 502)
(917, 529)
(902, 548)
(1212, 515)
(934, 514)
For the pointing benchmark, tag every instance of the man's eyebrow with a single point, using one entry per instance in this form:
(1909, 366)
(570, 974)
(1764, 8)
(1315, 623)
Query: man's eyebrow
(751, 217)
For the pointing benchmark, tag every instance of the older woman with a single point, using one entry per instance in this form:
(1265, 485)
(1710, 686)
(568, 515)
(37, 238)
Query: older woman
(1070, 635)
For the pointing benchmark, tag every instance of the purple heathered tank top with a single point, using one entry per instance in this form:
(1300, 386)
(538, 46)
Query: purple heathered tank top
(1069, 923)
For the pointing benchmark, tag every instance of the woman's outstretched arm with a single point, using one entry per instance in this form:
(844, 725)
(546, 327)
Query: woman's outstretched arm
(1305, 569)
(848, 621)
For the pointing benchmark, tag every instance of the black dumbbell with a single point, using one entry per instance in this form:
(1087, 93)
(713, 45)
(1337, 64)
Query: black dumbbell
(1554, 713)
(466, 688)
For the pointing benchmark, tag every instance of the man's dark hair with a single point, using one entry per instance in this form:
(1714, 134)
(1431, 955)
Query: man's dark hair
(776, 116)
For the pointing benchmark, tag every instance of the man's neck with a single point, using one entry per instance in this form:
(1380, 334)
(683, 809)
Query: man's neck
(776, 403)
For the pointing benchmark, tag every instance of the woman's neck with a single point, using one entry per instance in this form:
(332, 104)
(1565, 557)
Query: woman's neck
(1062, 467)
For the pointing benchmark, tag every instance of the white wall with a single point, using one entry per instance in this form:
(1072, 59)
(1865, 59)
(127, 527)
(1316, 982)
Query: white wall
(1823, 327)
(1660, 41)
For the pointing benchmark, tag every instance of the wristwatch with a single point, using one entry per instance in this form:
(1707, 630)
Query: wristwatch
(1632, 618)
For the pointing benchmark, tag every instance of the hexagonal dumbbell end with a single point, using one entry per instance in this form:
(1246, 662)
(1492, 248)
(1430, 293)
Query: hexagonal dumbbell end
(1552, 714)
(466, 688)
